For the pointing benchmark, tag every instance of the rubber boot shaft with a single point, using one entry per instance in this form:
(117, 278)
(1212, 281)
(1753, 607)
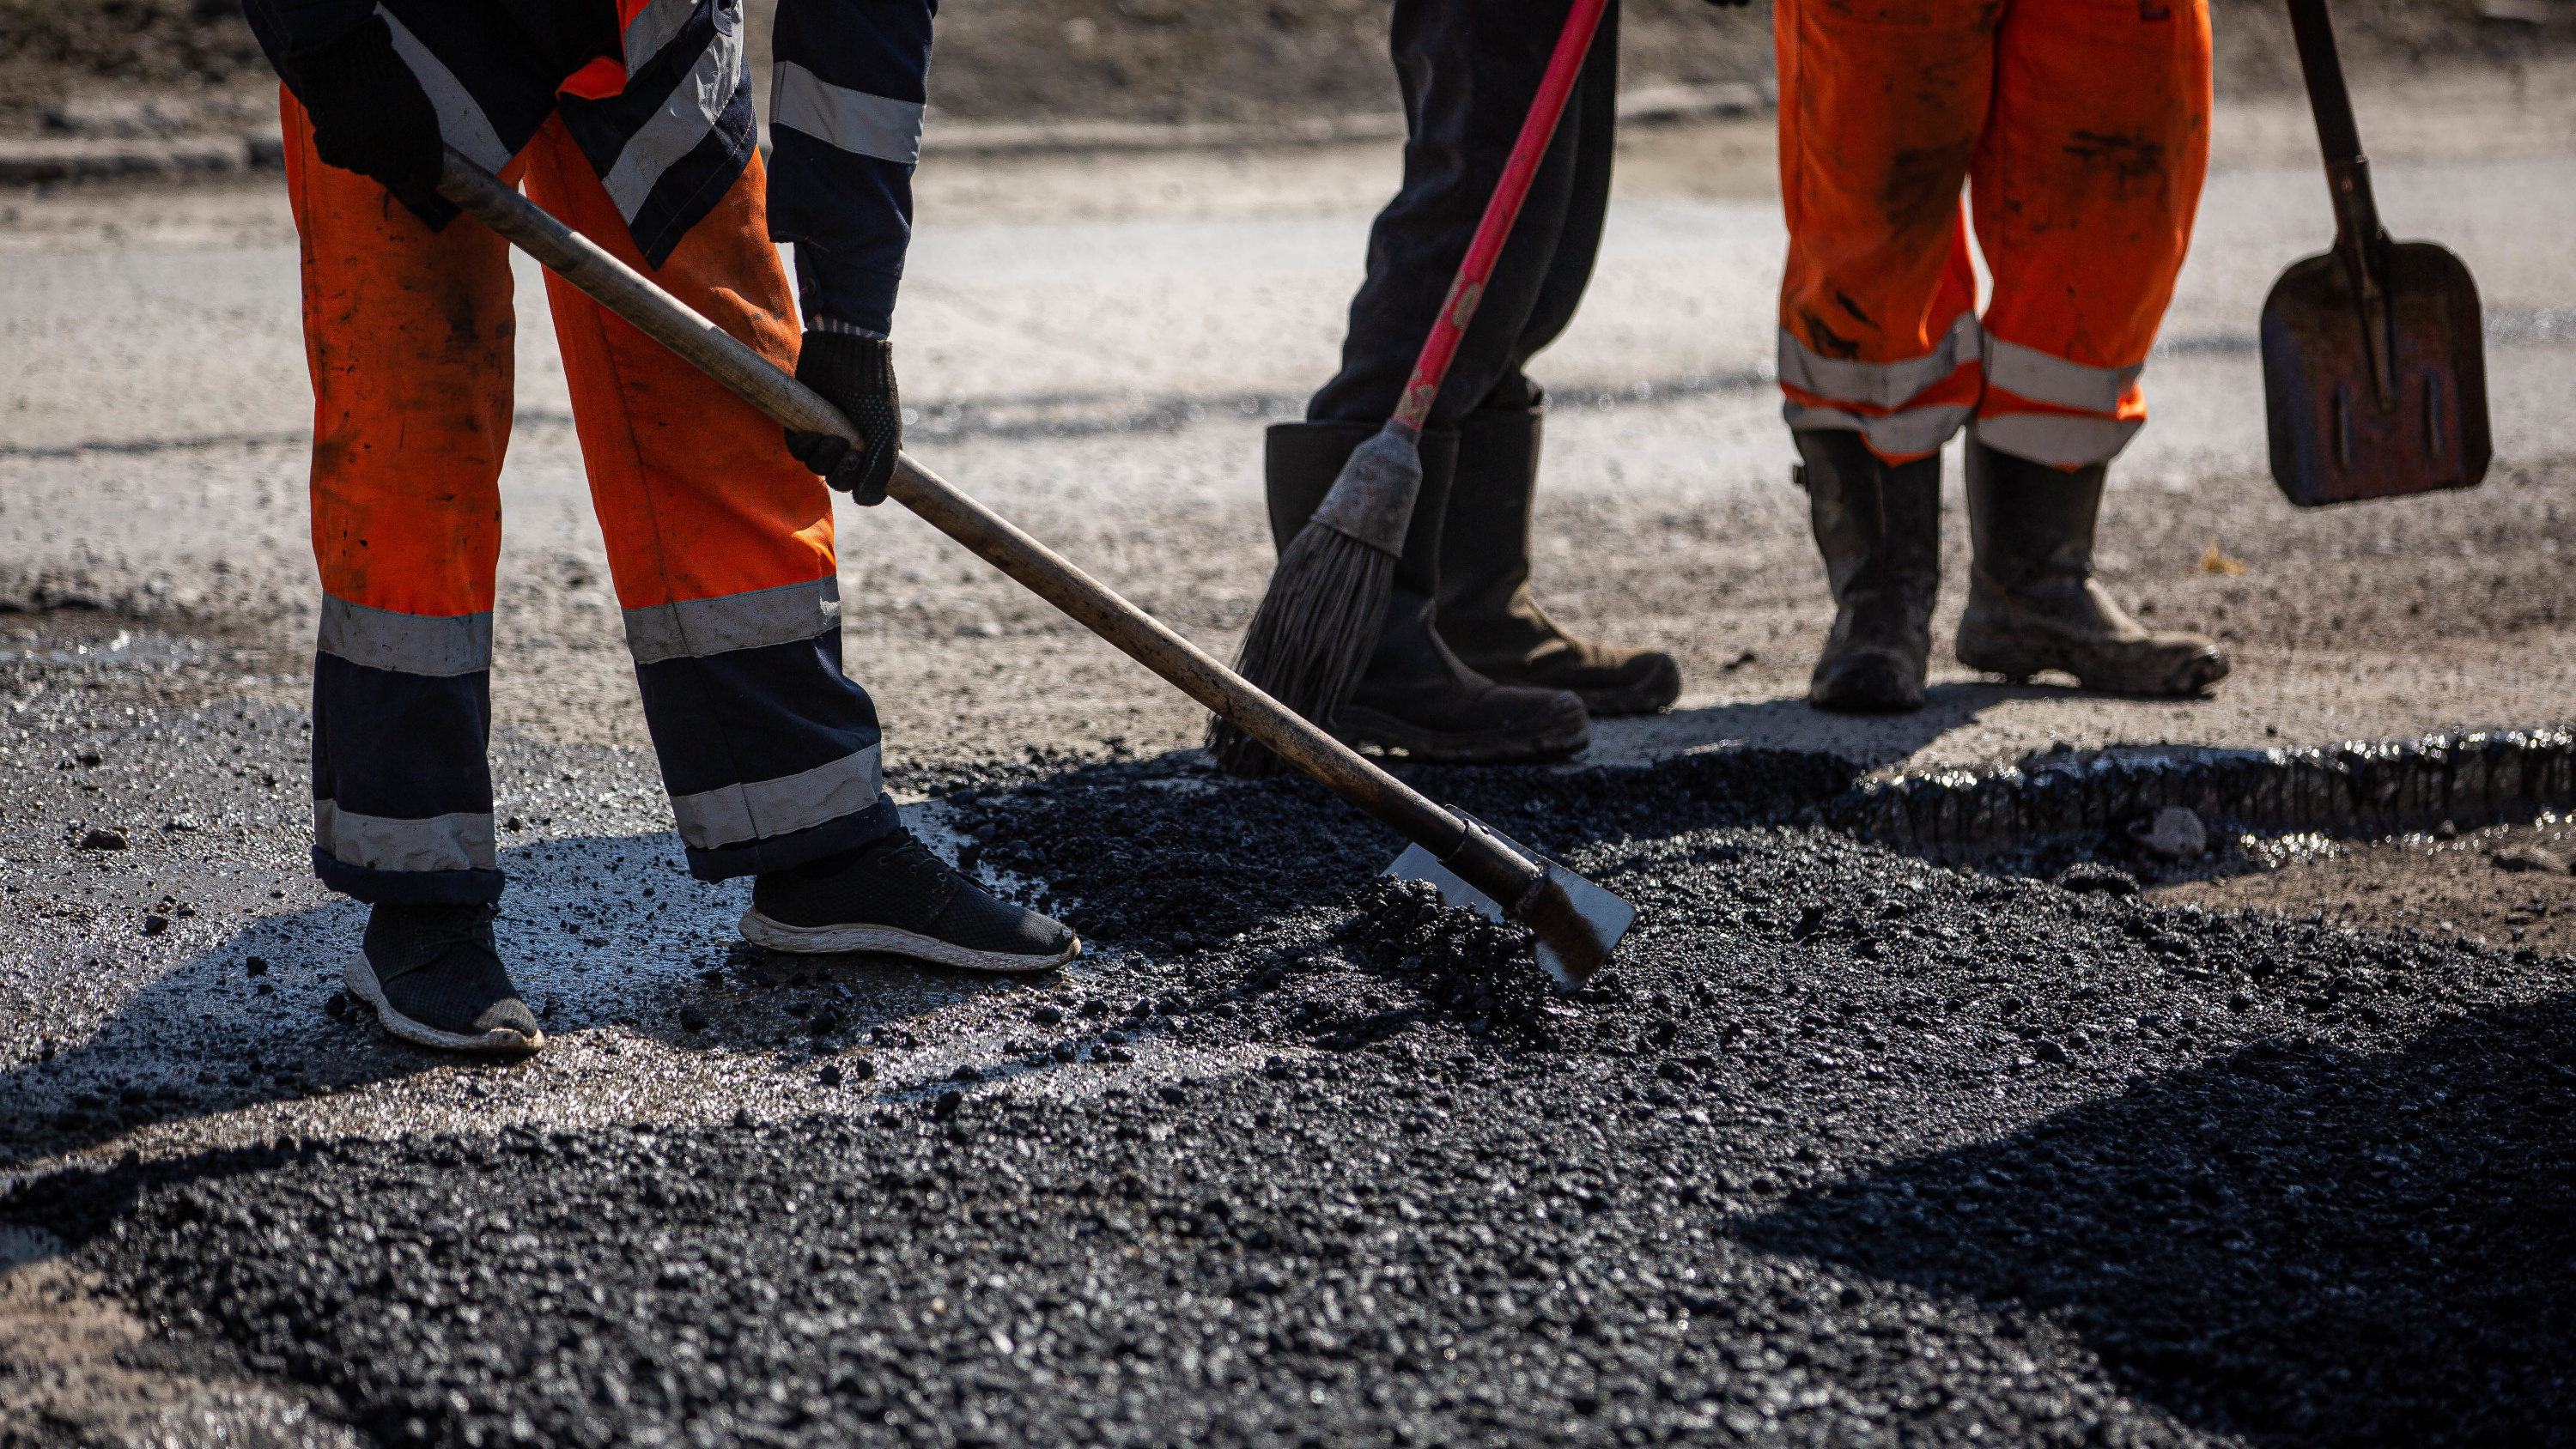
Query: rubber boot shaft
(1878, 526)
(1487, 612)
(2033, 603)
(1416, 695)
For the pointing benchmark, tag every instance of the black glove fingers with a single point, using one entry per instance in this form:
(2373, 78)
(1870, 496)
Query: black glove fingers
(856, 375)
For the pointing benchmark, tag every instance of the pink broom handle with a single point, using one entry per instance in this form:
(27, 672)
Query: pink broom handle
(1469, 287)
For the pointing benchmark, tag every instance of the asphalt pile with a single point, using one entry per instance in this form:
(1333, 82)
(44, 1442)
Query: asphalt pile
(1845, 1148)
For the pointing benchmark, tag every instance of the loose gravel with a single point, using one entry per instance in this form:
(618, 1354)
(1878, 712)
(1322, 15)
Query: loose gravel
(1846, 1148)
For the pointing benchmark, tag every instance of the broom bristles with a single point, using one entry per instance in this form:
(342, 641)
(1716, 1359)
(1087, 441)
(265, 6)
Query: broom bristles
(1311, 637)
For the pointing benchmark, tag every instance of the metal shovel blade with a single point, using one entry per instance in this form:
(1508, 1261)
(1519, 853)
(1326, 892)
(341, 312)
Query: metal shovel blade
(2340, 429)
(1578, 925)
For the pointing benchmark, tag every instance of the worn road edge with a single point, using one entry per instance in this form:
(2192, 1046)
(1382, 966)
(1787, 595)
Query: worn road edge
(2357, 788)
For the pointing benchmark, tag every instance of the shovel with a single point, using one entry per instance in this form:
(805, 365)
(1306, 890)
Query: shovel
(1576, 922)
(2374, 363)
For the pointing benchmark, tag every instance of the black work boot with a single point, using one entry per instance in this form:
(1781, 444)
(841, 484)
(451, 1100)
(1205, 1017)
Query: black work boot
(1878, 524)
(434, 977)
(893, 895)
(1417, 696)
(2033, 602)
(1486, 612)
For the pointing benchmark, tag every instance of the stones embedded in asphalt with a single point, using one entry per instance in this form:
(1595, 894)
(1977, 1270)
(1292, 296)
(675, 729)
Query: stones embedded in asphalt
(2030, 1174)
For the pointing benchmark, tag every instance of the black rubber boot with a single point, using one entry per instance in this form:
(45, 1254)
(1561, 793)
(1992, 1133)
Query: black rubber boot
(1878, 525)
(2033, 602)
(892, 895)
(434, 977)
(1416, 696)
(1486, 612)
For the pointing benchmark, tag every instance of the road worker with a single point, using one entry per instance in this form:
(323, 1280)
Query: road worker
(1469, 666)
(631, 121)
(2082, 130)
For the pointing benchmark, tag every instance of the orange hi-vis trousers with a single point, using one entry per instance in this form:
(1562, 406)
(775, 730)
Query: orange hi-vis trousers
(720, 543)
(2081, 128)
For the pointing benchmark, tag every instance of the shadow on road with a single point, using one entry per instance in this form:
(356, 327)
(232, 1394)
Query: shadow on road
(1792, 724)
(2291, 1240)
(599, 932)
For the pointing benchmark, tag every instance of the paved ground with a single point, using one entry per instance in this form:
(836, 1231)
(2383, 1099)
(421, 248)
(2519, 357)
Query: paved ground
(1093, 348)
(1814, 1170)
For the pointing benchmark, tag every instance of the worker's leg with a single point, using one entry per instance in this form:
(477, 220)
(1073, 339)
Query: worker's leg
(720, 543)
(2086, 184)
(2085, 187)
(1488, 613)
(1880, 111)
(1879, 115)
(722, 549)
(1468, 70)
(407, 333)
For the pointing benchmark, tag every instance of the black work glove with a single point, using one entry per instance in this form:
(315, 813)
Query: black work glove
(856, 375)
(371, 116)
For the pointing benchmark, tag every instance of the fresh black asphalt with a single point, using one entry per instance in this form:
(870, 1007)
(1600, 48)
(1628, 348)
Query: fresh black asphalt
(1847, 1148)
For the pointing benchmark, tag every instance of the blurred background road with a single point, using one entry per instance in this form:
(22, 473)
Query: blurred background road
(1092, 343)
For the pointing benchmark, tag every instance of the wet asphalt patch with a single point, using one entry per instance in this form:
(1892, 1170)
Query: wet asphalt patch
(1847, 1148)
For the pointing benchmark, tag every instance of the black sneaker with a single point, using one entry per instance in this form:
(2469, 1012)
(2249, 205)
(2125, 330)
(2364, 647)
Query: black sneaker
(433, 976)
(893, 895)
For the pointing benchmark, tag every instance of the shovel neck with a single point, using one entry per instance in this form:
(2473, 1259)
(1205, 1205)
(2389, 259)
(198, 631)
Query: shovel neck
(2323, 70)
(2356, 209)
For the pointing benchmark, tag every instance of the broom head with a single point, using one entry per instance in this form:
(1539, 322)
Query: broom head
(1317, 625)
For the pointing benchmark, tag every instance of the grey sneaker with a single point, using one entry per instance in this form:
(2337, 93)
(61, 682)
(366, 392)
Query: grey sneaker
(435, 978)
(893, 895)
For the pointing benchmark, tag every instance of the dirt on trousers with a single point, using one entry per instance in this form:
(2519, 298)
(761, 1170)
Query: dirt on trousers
(1846, 1149)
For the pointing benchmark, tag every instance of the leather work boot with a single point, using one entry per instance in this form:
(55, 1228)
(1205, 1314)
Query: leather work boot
(1486, 612)
(1417, 696)
(2033, 602)
(1878, 525)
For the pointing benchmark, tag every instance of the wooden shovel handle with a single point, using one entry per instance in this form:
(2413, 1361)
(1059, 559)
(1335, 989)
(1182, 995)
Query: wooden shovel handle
(1499, 872)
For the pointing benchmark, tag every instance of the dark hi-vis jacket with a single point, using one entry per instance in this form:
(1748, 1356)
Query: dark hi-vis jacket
(656, 93)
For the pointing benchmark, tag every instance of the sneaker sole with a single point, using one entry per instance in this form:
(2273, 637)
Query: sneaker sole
(760, 930)
(498, 1042)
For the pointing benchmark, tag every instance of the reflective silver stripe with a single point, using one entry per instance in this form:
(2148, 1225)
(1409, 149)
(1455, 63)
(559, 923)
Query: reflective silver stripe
(1876, 384)
(697, 628)
(375, 842)
(408, 643)
(852, 121)
(2059, 439)
(767, 809)
(686, 116)
(1914, 430)
(647, 33)
(460, 118)
(2031, 373)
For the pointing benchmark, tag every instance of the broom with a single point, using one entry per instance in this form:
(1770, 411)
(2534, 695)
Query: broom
(1318, 623)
